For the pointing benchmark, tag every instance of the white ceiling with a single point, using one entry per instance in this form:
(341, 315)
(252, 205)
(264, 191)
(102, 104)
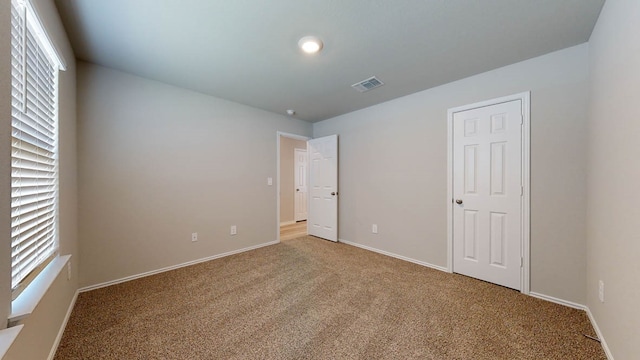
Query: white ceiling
(246, 50)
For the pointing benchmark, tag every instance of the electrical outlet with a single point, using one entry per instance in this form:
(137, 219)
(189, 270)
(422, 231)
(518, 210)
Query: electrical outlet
(194, 236)
(234, 230)
(269, 181)
(374, 228)
(601, 291)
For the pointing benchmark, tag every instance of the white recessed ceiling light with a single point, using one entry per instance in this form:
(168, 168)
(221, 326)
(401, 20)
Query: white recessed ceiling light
(310, 44)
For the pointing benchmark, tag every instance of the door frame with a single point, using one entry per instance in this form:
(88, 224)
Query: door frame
(291, 136)
(525, 231)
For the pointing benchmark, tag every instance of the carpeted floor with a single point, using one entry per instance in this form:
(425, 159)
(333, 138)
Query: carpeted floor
(313, 299)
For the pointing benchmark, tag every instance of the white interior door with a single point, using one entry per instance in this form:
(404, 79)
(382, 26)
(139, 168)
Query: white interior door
(487, 191)
(300, 195)
(323, 187)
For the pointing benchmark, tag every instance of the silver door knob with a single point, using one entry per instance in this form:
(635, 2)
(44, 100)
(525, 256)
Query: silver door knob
(459, 201)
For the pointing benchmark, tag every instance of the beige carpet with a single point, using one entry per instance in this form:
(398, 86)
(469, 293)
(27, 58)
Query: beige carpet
(313, 299)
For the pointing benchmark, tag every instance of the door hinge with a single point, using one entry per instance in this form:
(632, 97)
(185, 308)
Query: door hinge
(521, 190)
(521, 262)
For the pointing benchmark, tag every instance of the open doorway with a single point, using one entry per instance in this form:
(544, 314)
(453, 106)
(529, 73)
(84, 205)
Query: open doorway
(292, 186)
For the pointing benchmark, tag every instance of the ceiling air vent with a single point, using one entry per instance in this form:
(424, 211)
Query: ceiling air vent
(369, 84)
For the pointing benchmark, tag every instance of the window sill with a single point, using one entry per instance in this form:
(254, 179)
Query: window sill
(26, 302)
(7, 336)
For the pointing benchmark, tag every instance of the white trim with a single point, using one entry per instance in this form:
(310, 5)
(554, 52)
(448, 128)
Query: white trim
(43, 36)
(552, 299)
(605, 347)
(7, 337)
(390, 254)
(291, 136)
(526, 196)
(285, 223)
(525, 98)
(56, 343)
(173, 267)
(26, 302)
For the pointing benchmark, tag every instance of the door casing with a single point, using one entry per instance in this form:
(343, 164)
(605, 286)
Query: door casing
(524, 97)
(280, 134)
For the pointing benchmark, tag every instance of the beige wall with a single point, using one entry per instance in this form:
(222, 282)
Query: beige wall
(157, 162)
(393, 168)
(613, 240)
(42, 326)
(287, 173)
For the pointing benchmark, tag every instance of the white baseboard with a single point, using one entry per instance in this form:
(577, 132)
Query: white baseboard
(558, 301)
(56, 343)
(605, 347)
(173, 267)
(437, 267)
(284, 223)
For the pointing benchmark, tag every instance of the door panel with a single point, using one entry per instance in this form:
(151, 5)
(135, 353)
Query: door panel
(323, 187)
(470, 235)
(487, 180)
(300, 195)
(497, 239)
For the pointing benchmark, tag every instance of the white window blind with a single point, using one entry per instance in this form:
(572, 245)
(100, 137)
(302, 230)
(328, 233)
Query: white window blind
(34, 148)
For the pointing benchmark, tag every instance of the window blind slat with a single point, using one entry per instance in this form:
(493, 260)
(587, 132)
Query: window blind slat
(22, 204)
(34, 225)
(29, 149)
(28, 247)
(26, 137)
(33, 129)
(30, 165)
(37, 252)
(31, 178)
(40, 163)
(32, 187)
(32, 110)
(26, 265)
(32, 247)
(32, 210)
(36, 249)
(23, 159)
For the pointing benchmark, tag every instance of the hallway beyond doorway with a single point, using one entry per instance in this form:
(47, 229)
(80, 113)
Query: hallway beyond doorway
(292, 231)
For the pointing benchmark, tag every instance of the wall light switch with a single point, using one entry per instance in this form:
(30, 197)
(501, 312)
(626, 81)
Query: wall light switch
(269, 181)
